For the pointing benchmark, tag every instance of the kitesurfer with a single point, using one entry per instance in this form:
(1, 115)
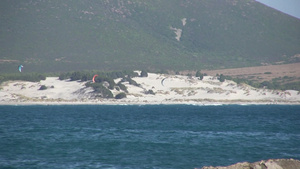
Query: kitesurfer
(20, 68)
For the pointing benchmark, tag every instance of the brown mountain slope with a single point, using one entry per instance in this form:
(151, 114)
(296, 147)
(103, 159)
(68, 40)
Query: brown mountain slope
(261, 73)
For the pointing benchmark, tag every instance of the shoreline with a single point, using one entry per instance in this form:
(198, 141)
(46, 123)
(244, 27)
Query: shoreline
(175, 90)
(115, 103)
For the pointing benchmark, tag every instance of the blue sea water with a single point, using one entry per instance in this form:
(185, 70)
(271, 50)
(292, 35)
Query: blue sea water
(148, 136)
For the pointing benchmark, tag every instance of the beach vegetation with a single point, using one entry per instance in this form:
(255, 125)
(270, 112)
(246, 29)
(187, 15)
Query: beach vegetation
(221, 78)
(100, 90)
(130, 81)
(200, 75)
(144, 73)
(282, 83)
(102, 79)
(122, 87)
(120, 95)
(150, 92)
(31, 77)
(102, 76)
(43, 87)
(64, 76)
(76, 76)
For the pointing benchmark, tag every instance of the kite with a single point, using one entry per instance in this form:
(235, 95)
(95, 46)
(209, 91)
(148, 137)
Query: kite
(94, 78)
(162, 81)
(20, 68)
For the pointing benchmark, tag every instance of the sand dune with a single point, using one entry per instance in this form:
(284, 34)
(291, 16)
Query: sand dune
(175, 89)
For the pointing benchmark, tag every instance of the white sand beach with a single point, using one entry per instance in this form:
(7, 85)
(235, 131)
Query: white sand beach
(174, 89)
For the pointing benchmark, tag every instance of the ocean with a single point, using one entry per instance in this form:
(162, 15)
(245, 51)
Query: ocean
(146, 136)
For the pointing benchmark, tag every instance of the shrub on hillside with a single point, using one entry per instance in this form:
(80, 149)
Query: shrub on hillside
(63, 76)
(132, 82)
(150, 92)
(99, 88)
(121, 95)
(43, 87)
(76, 76)
(221, 78)
(144, 73)
(200, 75)
(122, 87)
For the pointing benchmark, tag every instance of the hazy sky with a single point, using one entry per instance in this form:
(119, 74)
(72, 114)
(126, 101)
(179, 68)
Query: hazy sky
(291, 7)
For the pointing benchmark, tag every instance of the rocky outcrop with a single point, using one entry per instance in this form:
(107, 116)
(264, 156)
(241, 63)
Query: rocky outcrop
(269, 164)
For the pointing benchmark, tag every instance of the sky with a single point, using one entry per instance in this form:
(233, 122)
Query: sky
(291, 7)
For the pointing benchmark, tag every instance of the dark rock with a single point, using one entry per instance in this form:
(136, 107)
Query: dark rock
(269, 164)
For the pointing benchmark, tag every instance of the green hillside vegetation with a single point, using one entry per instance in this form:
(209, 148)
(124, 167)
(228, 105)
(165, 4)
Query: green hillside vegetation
(282, 83)
(31, 77)
(56, 36)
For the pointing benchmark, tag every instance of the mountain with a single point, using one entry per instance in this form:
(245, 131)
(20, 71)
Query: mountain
(45, 35)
